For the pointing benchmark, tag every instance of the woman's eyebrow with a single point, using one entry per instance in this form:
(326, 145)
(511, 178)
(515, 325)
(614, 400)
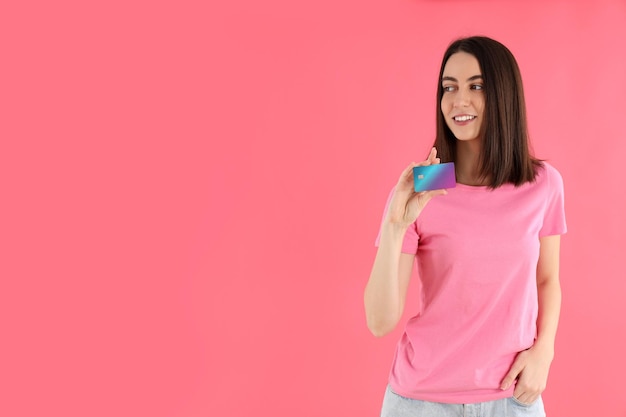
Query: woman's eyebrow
(472, 78)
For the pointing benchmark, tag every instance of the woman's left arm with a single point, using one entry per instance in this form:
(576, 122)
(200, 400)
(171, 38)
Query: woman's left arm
(531, 366)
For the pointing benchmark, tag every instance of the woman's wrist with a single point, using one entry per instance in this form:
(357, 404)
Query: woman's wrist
(545, 346)
(393, 230)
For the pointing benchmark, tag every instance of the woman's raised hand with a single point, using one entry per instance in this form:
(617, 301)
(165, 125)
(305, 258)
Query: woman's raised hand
(406, 205)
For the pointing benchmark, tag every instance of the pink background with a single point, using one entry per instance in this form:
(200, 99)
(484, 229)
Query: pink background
(190, 196)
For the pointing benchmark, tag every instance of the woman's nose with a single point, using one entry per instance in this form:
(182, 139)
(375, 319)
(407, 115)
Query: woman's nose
(462, 99)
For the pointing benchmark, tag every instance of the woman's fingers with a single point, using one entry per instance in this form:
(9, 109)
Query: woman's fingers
(418, 201)
(408, 172)
(405, 183)
(432, 159)
(432, 155)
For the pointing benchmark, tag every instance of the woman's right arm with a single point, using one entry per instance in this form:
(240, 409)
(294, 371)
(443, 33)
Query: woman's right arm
(386, 289)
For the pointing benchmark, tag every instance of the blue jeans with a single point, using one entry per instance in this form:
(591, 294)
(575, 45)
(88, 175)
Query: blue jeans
(395, 405)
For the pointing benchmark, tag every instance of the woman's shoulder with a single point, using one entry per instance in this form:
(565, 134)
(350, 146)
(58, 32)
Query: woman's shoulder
(550, 176)
(548, 171)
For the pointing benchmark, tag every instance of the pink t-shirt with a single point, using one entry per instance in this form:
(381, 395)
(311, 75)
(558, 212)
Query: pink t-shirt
(477, 252)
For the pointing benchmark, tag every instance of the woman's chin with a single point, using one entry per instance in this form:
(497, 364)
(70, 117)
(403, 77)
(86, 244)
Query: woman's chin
(466, 138)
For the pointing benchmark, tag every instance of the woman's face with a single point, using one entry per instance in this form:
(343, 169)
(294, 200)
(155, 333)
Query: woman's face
(463, 100)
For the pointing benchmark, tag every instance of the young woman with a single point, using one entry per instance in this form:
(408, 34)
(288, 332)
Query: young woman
(487, 253)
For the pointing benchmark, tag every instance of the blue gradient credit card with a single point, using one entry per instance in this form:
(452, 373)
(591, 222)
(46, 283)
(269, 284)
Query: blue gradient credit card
(434, 177)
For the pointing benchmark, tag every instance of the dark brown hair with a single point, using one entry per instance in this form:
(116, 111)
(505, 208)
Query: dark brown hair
(505, 154)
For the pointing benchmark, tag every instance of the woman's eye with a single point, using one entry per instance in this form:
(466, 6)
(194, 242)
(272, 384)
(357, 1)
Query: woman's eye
(448, 88)
(477, 87)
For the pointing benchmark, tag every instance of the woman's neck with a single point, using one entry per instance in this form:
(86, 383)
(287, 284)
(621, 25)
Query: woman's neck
(468, 163)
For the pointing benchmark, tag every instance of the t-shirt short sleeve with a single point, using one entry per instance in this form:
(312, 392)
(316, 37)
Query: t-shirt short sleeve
(411, 237)
(554, 215)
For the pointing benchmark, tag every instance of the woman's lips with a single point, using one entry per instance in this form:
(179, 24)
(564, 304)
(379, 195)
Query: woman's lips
(463, 120)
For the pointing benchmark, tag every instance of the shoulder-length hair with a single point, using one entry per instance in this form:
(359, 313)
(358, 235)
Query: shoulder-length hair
(505, 154)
